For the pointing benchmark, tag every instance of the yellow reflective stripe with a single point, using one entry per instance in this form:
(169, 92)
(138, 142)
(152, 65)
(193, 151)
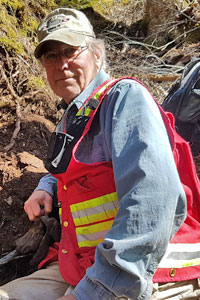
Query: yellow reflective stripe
(169, 263)
(79, 112)
(60, 214)
(98, 94)
(92, 236)
(193, 262)
(84, 234)
(94, 202)
(90, 243)
(87, 111)
(84, 111)
(108, 214)
(181, 255)
(95, 210)
(94, 228)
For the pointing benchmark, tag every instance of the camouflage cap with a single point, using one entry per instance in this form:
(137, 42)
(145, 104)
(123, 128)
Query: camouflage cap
(65, 25)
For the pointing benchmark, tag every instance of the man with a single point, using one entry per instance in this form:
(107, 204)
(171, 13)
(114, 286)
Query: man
(113, 170)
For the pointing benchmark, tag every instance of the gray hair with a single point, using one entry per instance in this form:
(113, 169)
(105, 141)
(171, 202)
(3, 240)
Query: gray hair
(97, 46)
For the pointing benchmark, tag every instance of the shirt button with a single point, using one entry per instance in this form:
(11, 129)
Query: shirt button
(172, 272)
(65, 224)
(64, 251)
(64, 187)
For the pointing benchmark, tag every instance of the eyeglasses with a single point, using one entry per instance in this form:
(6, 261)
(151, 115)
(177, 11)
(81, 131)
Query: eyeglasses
(51, 57)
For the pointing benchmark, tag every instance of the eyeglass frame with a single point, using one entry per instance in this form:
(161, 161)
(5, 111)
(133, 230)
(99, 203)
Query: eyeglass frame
(77, 51)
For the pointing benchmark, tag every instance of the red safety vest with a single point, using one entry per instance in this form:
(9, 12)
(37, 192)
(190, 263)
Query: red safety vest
(89, 207)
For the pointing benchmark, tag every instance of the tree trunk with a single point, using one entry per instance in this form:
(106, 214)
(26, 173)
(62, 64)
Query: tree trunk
(161, 18)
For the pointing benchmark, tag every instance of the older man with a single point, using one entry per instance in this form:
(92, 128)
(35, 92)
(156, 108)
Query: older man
(111, 165)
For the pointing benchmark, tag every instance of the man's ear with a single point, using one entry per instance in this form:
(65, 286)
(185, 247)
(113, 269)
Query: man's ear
(98, 59)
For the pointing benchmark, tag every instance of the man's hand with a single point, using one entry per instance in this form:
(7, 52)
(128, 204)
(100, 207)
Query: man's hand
(38, 204)
(69, 297)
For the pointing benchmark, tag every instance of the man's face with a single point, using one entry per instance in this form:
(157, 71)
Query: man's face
(68, 77)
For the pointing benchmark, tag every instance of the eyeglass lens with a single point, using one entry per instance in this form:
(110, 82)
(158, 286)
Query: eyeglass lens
(51, 56)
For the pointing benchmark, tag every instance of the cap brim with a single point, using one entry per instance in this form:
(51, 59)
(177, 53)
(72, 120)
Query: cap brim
(65, 36)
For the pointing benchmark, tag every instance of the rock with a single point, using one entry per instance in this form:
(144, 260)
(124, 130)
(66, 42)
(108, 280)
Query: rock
(31, 162)
(9, 200)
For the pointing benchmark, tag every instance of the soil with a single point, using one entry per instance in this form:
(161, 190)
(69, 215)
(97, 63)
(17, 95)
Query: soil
(20, 171)
(21, 166)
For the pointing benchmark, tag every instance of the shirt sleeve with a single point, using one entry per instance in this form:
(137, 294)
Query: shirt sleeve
(152, 200)
(48, 183)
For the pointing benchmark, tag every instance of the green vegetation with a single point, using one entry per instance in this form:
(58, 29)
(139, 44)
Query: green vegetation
(35, 82)
(19, 19)
(13, 4)
(78, 4)
(9, 32)
(3, 103)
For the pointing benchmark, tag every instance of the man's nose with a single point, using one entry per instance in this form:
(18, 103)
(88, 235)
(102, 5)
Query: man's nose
(62, 61)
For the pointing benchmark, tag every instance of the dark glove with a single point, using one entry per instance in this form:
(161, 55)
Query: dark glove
(30, 241)
(38, 239)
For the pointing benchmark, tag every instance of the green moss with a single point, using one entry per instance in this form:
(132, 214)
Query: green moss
(48, 3)
(11, 119)
(8, 37)
(16, 4)
(19, 20)
(77, 4)
(6, 18)
(103, 6)
(125, 2)
(11, 45)
(29, 28)
(3, 103)
(34, 83)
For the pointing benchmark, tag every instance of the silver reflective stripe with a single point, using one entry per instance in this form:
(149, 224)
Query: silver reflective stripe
(106, 207)
(92, 236)
(181, 256)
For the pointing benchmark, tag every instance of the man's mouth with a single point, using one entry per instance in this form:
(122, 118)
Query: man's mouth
(63, 79)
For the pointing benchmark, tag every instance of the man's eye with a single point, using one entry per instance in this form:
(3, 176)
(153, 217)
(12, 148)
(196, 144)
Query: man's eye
(51, 56)
(69, 52)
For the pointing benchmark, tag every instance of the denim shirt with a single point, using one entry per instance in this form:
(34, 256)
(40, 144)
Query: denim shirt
(132, 135)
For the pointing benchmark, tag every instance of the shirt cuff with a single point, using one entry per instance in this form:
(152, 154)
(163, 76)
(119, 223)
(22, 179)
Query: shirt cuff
(89, 290)
(48, 183)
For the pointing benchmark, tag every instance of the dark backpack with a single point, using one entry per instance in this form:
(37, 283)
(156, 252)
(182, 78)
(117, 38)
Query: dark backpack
(183, 101)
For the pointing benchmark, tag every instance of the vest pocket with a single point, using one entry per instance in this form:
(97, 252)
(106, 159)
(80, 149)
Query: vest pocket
(83, 184)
